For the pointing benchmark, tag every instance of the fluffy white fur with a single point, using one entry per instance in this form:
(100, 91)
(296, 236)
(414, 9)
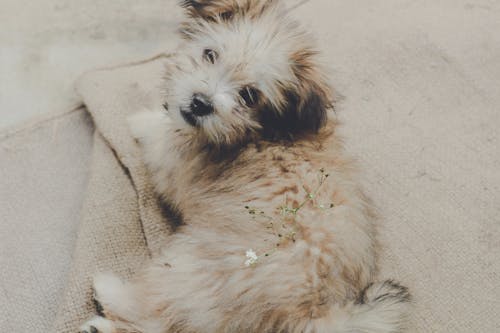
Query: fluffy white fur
(266, 173)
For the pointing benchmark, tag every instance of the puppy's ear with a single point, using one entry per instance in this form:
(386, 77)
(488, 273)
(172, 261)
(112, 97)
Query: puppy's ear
(209, 9)
(313, 101)
(304, 112)
(193, 7)
(304, 104)
(226, 10)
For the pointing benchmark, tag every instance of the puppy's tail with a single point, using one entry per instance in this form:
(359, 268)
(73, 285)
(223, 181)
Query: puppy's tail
(380, 308)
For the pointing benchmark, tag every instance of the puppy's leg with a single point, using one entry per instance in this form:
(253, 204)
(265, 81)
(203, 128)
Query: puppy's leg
(117, 299)
(381, 308)
(120, 306)
(146, 126)
(152, 129)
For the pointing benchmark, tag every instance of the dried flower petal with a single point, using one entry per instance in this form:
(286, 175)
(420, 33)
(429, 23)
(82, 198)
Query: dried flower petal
(251, 258)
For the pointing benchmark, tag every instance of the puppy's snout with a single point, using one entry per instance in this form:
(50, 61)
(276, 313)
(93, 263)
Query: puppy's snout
(201, 105)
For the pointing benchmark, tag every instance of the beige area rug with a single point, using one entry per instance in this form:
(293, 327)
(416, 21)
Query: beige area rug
(43, 174)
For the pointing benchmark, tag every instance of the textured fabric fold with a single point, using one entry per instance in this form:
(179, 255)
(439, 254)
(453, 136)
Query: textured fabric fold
(122, 222)
(110, 96)
(109, 239)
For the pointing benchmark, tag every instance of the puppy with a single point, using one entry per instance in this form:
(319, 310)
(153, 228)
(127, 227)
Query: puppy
(276, 234)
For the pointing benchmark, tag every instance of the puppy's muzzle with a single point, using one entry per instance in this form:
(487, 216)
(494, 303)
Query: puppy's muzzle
(200, 106)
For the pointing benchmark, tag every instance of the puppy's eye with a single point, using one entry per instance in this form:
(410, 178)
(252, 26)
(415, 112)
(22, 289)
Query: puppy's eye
(249, 95)
(226, 16)
(210, 56)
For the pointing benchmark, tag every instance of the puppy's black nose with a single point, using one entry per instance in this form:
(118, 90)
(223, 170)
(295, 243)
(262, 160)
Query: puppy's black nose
(201, 105)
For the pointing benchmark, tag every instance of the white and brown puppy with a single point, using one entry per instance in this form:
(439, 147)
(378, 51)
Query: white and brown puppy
(276, 234)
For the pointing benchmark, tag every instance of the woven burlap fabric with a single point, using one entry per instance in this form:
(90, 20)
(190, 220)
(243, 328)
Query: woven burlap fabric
(121, 222)
(110, 96)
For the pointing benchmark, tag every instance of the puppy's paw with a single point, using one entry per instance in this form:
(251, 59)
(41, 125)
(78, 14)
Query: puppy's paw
(388, 290)
(114, 298)
(143, 124)
(98, 325)
(108, 290)
(383, 307)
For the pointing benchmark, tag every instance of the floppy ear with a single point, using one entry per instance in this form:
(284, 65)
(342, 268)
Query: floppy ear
(194, 8)
(304, 112)
(209, 9)
(225, 10)
(305, 104)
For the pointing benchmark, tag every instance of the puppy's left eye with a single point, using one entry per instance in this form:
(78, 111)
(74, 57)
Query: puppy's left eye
(226, 16)
(249, 95)
(210, 55)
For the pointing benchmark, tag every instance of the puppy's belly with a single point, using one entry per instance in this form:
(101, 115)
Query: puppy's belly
(332, 245)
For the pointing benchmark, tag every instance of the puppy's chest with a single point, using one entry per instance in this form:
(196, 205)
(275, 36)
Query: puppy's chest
(260, 181)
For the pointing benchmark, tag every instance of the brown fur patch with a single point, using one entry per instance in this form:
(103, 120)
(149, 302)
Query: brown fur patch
(225, 10)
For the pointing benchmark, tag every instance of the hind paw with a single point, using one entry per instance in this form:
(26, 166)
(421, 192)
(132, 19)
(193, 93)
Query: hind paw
(393, 290)
(386, 291)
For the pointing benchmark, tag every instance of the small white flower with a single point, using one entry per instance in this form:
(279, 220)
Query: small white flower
(251, 258)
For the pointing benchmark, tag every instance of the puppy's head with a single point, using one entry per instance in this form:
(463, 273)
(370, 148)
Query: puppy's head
(246, 70)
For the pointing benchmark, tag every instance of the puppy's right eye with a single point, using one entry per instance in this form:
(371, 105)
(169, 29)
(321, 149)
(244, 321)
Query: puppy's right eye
(210, 56)
(250, 96)
(226, 16)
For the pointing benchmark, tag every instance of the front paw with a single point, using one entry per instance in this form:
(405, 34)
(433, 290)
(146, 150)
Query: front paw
(145, 124)
(98, 325)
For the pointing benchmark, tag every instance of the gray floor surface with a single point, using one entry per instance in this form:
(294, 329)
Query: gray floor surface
(45, 45)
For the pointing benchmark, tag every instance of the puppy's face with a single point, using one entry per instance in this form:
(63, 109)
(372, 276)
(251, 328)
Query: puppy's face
(245, 71)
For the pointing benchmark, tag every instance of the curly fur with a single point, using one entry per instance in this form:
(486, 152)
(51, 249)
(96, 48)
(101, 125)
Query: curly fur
(263, 155)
